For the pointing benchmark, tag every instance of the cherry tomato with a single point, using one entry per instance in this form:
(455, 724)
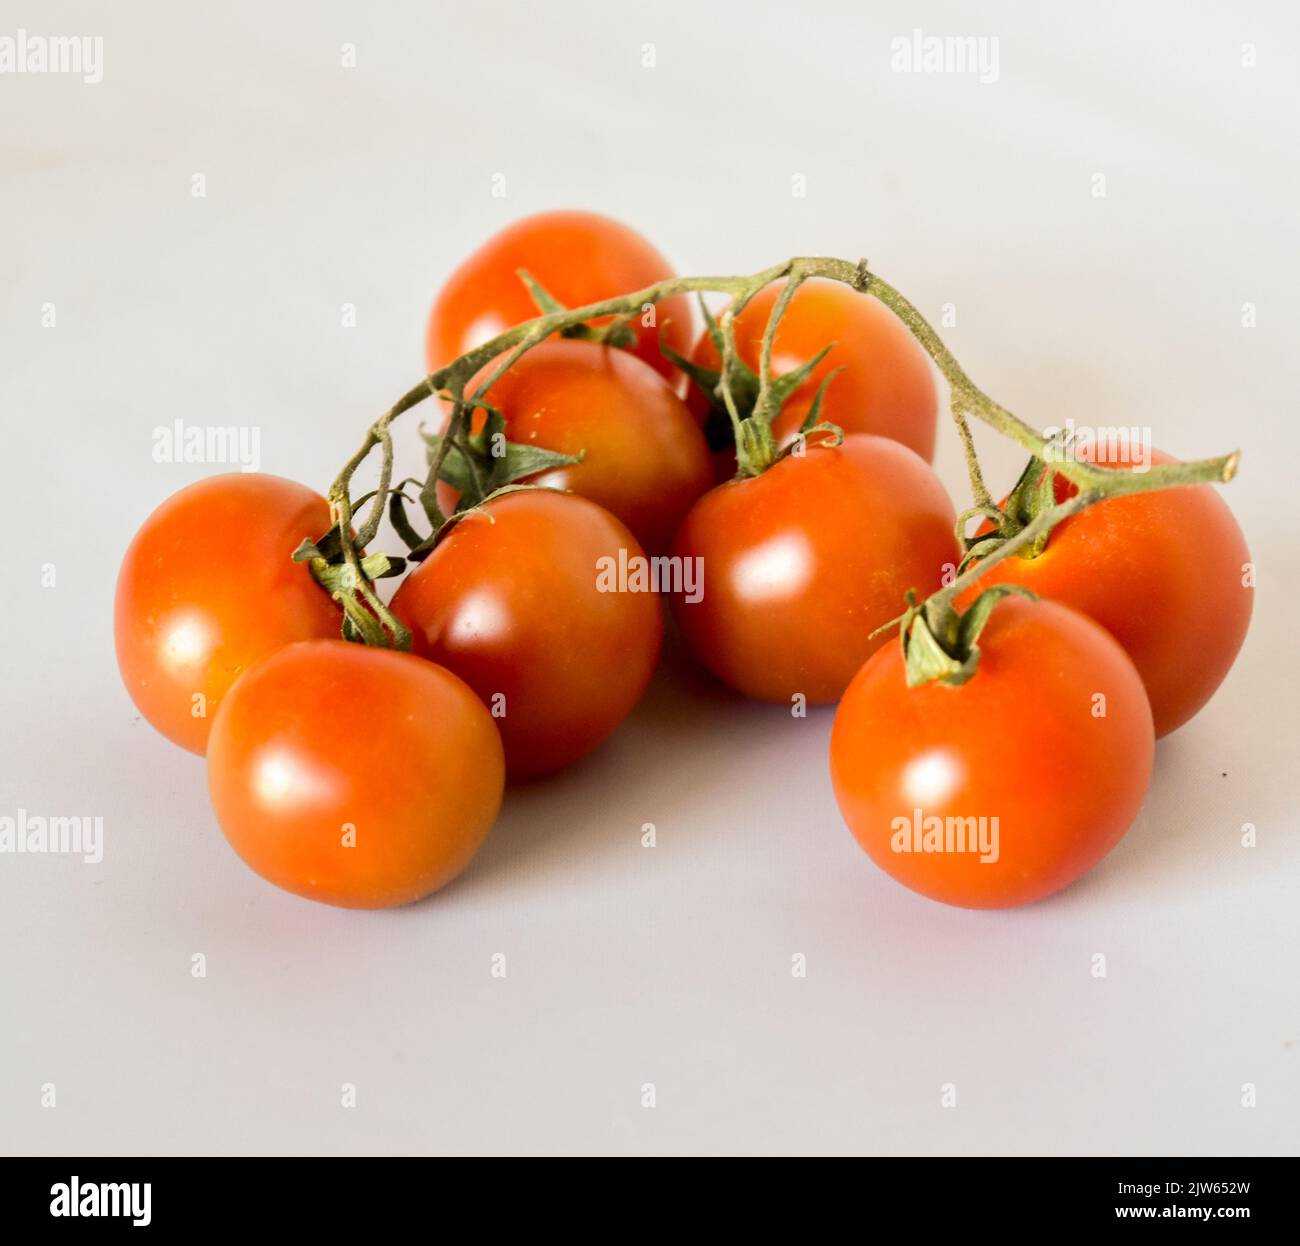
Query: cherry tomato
(207, 587)
(359, 777)
(1164, 572)
(802, 563)
(1005, 789)
(578, 258)
(644, 457)
(515, 603)
(886, 387)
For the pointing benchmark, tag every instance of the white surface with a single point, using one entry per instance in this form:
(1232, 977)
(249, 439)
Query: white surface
(628, 965)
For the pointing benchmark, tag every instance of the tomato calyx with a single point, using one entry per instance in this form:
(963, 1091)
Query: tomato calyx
(617, 331)
(1033, 493)
(940, 643)
(348, 583)
(477, 465)
(751, 433)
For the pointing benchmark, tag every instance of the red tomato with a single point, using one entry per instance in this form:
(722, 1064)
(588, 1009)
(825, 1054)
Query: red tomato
(644, 457)
(578, 258)
(359, 777)
(515, 607)
(886, 388)
(802, 563)
(1021, 745)
(208, 587)
(1165, 573)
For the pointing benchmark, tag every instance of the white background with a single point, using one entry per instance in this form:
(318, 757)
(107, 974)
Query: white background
(328, 186)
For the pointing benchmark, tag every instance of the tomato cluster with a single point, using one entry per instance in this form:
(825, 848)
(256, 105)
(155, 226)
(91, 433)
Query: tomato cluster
(368, 774)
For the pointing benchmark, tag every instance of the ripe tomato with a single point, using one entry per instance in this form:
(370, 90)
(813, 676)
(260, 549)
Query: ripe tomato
(644, 457)
(207, 587)
(359, 777)
(912, 766)
(802, 563)
(1163, 572)
(514, 606)
(578, 258)
(886, 387)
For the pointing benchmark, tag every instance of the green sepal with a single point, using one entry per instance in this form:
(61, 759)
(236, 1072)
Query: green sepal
(784, 385)
(618, 332)
(1032, 494)
(812, 419)
(341, 577)
(941, 645)
(484, 472)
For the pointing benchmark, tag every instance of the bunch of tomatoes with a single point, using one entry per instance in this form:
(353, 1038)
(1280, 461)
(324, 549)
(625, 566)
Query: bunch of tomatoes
(358, 753)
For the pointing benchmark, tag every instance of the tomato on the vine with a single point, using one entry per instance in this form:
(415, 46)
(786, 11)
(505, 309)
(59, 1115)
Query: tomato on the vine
(1006, 788)
(886, 386)
(535, 606)
(803, 562)
(207, 587)
(357, 776)
(643, 457)
(1167, 573)
(576, 257)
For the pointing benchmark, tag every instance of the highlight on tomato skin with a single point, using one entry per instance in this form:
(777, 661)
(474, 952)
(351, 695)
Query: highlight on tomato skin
(643, 456)
(1165, 572)
(513, 603)
(885, 384)
(578, 258)
(207, 587)
(360, 777)
(802, 563)
(1008, 788)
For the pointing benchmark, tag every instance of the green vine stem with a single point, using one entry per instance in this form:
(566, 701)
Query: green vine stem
(1095, 483)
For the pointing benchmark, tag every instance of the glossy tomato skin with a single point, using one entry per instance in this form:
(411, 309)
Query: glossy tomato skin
(802, 563)
(515, 609)
(577, 257)
(208, 587)
(887, 385)
(1020, 742)
(644, 457)
(359, 777)
(1165, 573)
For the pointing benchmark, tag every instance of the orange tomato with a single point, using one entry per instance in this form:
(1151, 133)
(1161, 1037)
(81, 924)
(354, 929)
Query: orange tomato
(514, 605)
(1164, 572)
(802, 563)
(643, 457)
(355, 776)
(886, 387)
(1007, 788)
(208, 587)
(578, 258)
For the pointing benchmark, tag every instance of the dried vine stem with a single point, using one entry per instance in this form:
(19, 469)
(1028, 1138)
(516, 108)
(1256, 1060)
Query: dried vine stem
(1095, 483)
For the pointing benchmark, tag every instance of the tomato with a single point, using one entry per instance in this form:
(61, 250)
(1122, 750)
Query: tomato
(207, 587)
(803, 562)
(1049, 743)
(513, 603)
(644, 457)
(886, 387)
(1164, 572)
(578, 258)
(359, 777)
